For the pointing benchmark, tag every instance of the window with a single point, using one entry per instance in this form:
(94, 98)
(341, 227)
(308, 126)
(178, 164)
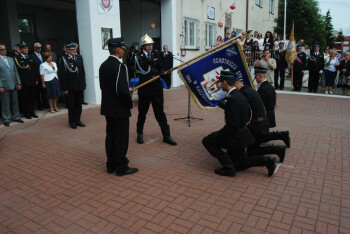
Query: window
(258, 2)
(210, 39)
(191, 34)
(271, 6)
(25, 25)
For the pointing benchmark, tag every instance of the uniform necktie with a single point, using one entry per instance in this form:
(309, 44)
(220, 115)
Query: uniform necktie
(40, 58)
(149, 56)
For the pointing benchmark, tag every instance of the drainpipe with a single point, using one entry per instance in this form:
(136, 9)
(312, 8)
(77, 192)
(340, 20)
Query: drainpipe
(247, 12)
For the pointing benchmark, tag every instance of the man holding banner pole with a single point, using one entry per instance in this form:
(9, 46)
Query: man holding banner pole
(149, 63)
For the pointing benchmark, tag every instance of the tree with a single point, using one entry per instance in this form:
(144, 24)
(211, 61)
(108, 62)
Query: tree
(308, 21)
(340, 37)
(329, 29)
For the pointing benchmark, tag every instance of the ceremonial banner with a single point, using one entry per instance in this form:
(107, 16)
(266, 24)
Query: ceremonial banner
(291, 53)
(201, 77)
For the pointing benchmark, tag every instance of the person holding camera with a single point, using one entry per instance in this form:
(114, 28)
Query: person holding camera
(265, 61)
(331, 71)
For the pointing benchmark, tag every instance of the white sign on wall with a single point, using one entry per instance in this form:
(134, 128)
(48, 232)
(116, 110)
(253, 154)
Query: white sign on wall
(105, 7)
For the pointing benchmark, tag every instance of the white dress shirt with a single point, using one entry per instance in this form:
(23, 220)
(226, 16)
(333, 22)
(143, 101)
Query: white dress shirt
(5, 60)
(47, 71)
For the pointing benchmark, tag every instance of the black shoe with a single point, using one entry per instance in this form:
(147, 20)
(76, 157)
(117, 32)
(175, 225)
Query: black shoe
(85, 103)
(231, 172)
(6, 124)
(18, 120)
(80, 124)
(28, 116)
(271, 165)
(72, 125)
(128, 172)
(34, 115)
(286, 139)
(169, 140)
(309, 91)
(139, 138)
(281, 152)
(110, 170)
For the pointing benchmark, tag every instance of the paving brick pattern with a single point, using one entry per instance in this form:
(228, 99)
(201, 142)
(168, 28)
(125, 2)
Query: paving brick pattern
(53, 179)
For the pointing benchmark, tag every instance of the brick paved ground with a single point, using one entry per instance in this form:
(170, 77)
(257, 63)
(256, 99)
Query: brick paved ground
(53, 179)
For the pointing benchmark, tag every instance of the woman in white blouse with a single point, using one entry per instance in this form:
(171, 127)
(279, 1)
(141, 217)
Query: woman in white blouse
(260, 42)
(48, 73)
(331, 71)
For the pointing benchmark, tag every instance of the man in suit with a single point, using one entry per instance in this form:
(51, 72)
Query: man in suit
(315, 66)
(234, 136)
(299, 66)
(149, 64)
(115, 106)
(9, 83)
(168, 63)
(26, 71)
(259, 125)
(268, 96)
(281, 62)
(40, 92)
(72, 76)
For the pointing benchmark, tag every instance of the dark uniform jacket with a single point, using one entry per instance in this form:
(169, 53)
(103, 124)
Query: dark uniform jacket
(268, 95)
(259, 123)
(152, 68)
(345, 65)
(167, 60)
(281, 60)
(71, 73)
(116, 99)
(26, 70)
(37, 63)
(237, 117)
(315, 62)
(130, 62)
(299, 66)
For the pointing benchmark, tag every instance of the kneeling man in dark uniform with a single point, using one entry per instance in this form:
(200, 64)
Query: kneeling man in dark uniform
(115, 106)
(234, 136)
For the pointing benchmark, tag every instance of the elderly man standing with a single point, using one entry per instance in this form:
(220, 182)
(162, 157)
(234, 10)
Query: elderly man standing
(268, 63)
(9, 83)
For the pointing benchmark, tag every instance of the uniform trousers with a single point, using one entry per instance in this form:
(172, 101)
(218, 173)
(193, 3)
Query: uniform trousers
(40, 97)
(74, 106)
(279, 73)
(9, 106)
(236, 155)
(297, 80)
(314, 78)
(27, 99)
(157, 102)
(117, 142)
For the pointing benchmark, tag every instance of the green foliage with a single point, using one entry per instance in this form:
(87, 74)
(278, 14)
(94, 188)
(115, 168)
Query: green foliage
(340, 37)
(329, 29)
(23, 25)
(309, 24)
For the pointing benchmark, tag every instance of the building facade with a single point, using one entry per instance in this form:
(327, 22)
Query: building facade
(188, 27)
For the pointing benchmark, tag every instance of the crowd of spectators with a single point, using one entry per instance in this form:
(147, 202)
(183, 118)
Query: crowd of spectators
(29, 81)
(335, 70)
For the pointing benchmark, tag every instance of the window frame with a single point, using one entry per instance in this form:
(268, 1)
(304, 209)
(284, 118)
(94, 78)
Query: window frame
(207, 36)
(187, 36)
(271, 6)
(258, 3)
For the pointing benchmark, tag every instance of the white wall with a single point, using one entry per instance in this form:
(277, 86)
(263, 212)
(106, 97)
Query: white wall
(90, 42)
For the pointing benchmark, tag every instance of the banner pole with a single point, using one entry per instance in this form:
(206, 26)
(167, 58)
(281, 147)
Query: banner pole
(233, 40)
(292, 76)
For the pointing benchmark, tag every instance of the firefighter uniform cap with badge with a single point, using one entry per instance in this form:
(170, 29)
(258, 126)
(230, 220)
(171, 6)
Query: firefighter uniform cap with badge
(116, 42)
(228, 75)
(258, 70)
(70, 45)
(22, 44)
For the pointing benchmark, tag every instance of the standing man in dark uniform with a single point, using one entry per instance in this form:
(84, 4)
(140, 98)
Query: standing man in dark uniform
(281, 62)
(234, 136)
(259, 126)
(72, 76)
(299, 66)
(26, 70)
(115, 106)
(149, 64)
(315, 66)
(168, 63)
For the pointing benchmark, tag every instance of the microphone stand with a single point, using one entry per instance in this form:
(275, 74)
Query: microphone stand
(188, 117)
